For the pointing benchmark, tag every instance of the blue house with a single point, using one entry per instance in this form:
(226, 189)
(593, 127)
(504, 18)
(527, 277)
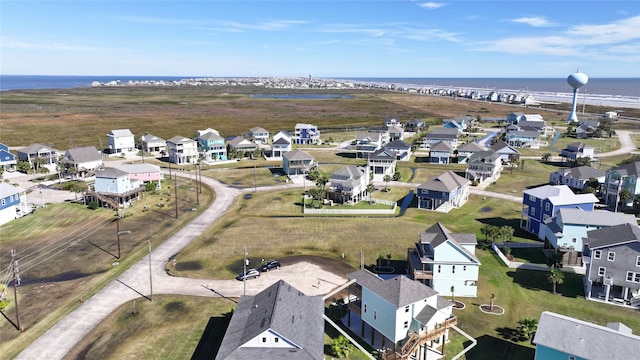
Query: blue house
(560, 337)
(213, 146)
(444, 192)
(306, 134)
(7, 159)
(444, 260)
(13, 202)
(542, 203)
(569, 226)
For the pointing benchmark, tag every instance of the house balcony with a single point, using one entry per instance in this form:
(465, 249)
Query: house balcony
(418, 270)
(417, 340)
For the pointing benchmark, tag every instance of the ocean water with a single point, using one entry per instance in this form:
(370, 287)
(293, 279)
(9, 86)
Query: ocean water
(613, 92)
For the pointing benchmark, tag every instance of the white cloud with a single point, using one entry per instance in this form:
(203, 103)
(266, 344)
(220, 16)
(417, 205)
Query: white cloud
(431, 5)
(582, 40)
(55, 46)
(535, 21)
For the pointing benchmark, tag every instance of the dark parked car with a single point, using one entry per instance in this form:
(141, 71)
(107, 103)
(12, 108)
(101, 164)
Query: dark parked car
(250, 274)
(271, 264)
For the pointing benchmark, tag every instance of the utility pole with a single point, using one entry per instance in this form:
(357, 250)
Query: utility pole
(16, 282)
(254, 178)
(118, 230)
(244, 273)
(197, 185)
(150, 279)
(175, 188)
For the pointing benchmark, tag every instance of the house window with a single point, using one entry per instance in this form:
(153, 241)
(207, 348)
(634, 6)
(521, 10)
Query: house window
(532, 198)
(464, 268)
(574, 240)
(633, 277)
(264, 339)
(572, 358)
(546, 207)
(611, 256)
(533, 211)
(406, 309)
(375, 314)
(439, 268)
(597, 254)
(275, 340)
(406, 324)
(3, 202)
(453, 269)
(365, 307)
(638, 261)
(602, 271)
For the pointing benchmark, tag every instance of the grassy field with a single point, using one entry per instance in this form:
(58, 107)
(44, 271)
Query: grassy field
(66, 252)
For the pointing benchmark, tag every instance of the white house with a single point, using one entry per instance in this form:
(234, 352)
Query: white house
(407, 316)
(297, 162)
(349, 184)
(445, 261)
(121, 141)
(182, 150)
(86, 160)
(382, 163)
(259, 135)
(114, 187)
(152, 144)
(280, 144)
(306, 134)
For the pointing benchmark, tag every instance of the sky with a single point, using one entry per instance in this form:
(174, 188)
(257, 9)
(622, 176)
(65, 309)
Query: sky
(347, 38)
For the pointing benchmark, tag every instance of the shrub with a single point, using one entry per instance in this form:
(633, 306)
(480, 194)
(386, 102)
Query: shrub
(93, 205)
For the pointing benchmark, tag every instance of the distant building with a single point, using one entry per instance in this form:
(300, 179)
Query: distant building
(577, 150)
(306, 134)
(444, 192)
(121, 141)
(86, 160)
(259, 135)
(297, 162)
(623, 177)
(415, 125)
(182, 150)
(152, 144)
(578, 177)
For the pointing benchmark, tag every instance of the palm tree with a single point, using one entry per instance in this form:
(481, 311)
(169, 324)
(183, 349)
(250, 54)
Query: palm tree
(321, 181)
(453, 289)
(546, 157)
(493, 296)
(527, 327)
(555, 277)
(386, 180)
(370, 188)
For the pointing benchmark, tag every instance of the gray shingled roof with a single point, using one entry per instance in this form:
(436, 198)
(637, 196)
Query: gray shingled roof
(211, 136)
(139, 168)
(121, 132)
(281, 141)
(584, 339)
(83, 154)
(441, 133)
(179, 139)
(442, 146)
(595, 217)
(34, 148)
(297, 155)
(151, 138)
(398, 144)
(447, 182)
(398, 291)
(258, 129)
(383, 154)
(281, 308)
(471, 146)
(614, 235)
(240, 142)
(482, 156)
(438, 234)
(628, 169)
(110, 173)
(583, 172)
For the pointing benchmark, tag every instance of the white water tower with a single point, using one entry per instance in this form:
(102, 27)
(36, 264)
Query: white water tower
(576, 81)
